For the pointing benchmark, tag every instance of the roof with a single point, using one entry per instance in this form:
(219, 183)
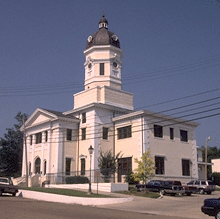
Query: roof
(103, 36)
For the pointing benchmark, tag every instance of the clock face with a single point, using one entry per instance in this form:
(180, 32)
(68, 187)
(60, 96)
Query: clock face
(89, 39)
(115, 64)
(114, 37)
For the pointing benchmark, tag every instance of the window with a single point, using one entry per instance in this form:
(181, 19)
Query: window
(37, 165)
(45, 167)
(158, 131)
(83, 117)
(39, 138)
(83, 166)
(105, 133)
(31, 139)
(159, 164)
(69, 134)
(68, 166)
(102, 70)
(83, 133)
(171, 134)
(124, 132)
(183, 135)
(185, 167)
(46, 136)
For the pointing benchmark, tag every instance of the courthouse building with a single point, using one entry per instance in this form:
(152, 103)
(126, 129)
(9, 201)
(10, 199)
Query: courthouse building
(103, 117)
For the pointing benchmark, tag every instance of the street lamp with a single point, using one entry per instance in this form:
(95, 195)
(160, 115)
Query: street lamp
(206, 148)
(91, 149)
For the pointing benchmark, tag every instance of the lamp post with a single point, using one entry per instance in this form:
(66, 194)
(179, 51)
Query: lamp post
(91, 149)
(206, 148)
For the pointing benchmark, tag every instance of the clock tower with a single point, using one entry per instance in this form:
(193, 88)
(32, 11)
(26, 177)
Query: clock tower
(103, 68)
(103, 58)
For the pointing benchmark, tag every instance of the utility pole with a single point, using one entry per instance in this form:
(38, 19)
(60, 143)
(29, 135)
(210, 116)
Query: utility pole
(25, 147)
(206, 150)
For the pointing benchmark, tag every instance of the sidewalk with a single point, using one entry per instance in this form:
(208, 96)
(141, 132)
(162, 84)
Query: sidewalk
(71, 199)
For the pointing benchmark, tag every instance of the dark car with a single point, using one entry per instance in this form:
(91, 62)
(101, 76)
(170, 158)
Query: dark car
(163, 187)
(211, 207)
(153, 185)
(6, 186)
(173, 188)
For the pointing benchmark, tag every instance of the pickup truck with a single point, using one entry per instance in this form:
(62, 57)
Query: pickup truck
(6, 186)
(166, 187)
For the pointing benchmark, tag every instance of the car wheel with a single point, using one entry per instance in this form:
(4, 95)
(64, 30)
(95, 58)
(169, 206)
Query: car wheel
(188, 193)
(0, 192)
(201, 191)
(217, 214)
(14, 194)
(209, 193)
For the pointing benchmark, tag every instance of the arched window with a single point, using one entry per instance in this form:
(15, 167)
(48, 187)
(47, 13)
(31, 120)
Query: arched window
(45, 167)
(37, 166)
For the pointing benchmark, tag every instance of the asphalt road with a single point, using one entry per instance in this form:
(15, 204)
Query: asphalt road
(173, 206)
(20, 208)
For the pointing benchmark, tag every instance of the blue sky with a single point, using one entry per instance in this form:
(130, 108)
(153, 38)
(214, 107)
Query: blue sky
(171, 56)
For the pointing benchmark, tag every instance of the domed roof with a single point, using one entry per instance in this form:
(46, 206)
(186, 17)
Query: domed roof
(103, 36)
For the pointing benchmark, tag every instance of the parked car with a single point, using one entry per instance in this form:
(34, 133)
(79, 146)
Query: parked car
(190, 189)
(6, 186)
(164, 187)
(173, 188)
(203, 186)
(211, 207)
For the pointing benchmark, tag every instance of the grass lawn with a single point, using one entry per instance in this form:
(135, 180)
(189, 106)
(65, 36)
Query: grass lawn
(68, 192)
(133, 191)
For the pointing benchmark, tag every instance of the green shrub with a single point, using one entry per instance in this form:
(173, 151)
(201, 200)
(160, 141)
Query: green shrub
(130, 179)
(77, 180)
(216, 178)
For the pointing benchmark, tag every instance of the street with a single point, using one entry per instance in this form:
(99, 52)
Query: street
(20, 208)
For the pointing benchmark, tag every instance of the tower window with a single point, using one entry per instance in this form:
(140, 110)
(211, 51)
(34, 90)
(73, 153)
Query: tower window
(83, 117)
(102, 70)
(84, 134)
(105, 133)
(183, 135)
(69, 134)
(158, 131)
(171, 133)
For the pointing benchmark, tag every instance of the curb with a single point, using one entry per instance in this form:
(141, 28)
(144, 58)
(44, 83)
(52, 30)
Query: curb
(70, 199)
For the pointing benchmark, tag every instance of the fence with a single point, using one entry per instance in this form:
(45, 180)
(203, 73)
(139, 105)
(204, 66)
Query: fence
(79, 177)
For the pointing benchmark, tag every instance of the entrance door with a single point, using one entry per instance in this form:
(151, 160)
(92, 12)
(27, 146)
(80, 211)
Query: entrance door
(124, 167)
(68, 166)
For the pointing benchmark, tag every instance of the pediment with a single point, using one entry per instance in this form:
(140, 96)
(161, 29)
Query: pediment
(39, 117)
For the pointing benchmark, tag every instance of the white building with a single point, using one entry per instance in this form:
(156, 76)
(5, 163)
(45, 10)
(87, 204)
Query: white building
(103, 116)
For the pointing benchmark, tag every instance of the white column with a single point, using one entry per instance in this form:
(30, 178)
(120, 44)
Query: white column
(42, 152)
(23, 161)
(49, 140)
(32, 152)
(60, 151)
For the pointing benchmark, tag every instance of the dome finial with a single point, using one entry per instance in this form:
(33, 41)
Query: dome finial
(103, 23)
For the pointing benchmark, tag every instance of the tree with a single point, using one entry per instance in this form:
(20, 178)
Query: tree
(11, 148)
(145, 169)
(107, 164)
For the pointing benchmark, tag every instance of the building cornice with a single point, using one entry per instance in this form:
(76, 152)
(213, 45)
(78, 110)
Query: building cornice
(155, 115)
